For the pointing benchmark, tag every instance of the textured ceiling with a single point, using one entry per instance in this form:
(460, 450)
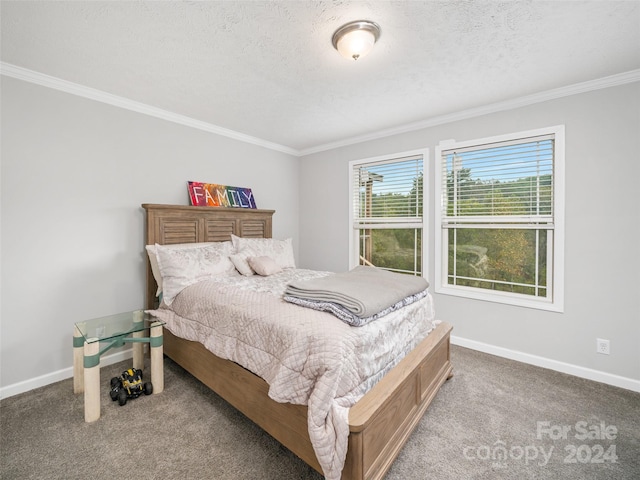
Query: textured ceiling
(267, 69)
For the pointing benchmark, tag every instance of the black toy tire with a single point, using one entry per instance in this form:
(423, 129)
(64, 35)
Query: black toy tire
(114, 381)
(148, 388)
(122, 397)
(114, 395)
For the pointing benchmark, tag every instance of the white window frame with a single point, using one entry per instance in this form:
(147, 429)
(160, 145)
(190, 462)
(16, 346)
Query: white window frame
(555, 282)
(354, 237)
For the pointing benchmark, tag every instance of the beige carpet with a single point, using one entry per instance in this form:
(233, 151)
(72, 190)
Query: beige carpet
(495, 419)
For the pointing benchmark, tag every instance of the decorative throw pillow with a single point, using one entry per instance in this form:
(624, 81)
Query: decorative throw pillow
(281, 251)
(264, 265)
(240, 261)
(180, 268)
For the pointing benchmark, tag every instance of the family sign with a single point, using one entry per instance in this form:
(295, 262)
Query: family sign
(213, 195)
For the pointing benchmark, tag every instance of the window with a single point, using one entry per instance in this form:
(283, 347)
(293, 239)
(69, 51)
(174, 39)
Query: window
(501, 218)
(387, 202)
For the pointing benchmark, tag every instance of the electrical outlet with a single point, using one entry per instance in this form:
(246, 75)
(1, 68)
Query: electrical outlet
(602, 346)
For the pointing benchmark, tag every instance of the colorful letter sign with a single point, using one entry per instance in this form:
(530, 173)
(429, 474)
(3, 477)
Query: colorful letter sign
(212, 195)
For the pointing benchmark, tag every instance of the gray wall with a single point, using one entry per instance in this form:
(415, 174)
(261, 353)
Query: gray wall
(602, 261)
(74, 173)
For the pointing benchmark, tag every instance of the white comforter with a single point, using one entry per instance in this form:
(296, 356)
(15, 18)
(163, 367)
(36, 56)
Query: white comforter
(307, 357)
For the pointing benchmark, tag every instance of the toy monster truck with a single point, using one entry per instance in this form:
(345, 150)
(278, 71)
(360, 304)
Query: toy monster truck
(129, 385)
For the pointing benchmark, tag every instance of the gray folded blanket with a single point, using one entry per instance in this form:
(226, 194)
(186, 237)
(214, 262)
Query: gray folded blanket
(349, 318)
(363, 291)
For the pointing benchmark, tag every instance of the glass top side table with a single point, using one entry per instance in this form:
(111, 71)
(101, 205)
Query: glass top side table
(113, 331)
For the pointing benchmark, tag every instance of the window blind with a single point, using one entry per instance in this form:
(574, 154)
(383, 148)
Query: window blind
(388, 192)
(509, 182)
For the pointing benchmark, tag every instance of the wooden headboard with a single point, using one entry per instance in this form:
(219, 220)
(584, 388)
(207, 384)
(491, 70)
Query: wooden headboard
(169, 224)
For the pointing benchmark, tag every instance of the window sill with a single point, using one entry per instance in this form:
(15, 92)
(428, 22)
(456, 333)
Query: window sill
(501, 297)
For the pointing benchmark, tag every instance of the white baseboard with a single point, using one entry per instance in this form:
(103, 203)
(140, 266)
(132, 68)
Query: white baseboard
(575, 370)
(582, 372)
(49, 378)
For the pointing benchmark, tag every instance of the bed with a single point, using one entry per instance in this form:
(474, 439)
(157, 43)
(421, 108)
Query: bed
(379, 423)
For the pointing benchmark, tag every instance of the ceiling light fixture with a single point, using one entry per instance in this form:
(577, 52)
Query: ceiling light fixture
(355, 39)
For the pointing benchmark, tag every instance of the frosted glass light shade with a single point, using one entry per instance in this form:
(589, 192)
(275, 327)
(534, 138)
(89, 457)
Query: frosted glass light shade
(356, 39)
(356, 44)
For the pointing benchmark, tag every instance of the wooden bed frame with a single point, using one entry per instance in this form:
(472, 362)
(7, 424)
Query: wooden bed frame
(380, 423)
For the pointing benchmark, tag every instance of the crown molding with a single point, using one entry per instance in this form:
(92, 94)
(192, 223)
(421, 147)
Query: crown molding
(98, 95)
(583, 87)
(104, 97)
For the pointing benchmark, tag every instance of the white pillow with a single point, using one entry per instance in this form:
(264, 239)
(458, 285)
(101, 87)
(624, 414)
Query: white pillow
(279, 250)
(264, 265)
(153, 260)
(182, 267)
(240, 261)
